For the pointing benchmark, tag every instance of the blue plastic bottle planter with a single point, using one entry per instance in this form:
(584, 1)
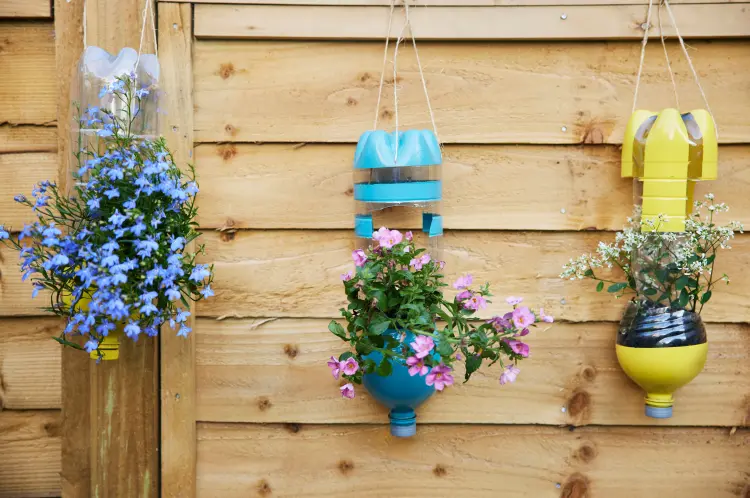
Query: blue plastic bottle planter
(398, 171)
(399, 391)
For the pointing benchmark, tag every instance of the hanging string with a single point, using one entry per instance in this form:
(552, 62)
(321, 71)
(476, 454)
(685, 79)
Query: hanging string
(666, 56)
(85, 45)
(385, 63)
(395, 78)
(146, 11)
(421, 73)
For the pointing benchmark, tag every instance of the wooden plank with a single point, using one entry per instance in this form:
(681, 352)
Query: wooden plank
(447, 3)
(543, 188)
(482, 93)
(27, 62)
(26, 8)
(14, 139)
(237, 460)
(273, 371)
(29, 454)
(297, 273)
(18, 175)
(178, 437)
(592, 22)
(29, 364)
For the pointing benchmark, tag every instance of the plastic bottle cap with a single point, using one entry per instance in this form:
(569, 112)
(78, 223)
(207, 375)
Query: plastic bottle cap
(658, 412)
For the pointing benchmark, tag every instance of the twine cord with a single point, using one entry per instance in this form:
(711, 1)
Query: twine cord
(146, 11)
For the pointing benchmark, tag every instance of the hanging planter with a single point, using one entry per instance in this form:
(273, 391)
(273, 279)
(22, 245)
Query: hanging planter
(114, 250)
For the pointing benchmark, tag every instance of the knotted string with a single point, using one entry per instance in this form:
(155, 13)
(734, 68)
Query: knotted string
(147, 10)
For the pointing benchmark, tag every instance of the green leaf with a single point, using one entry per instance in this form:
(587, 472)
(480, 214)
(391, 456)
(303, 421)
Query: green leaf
(684, 298)
(385, 368)
(369, 366)
(473, 362)
(616, 287)
(600, 287)
(444, 348)
(682, 282)
(650, 291)
(705, 297)
(346, 355)
(363, 348)
(67, 343)
(337, 330)
(379, 327)
(588, 273)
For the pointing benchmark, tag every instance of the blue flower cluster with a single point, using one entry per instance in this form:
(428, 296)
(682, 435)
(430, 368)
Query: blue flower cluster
(114, 253)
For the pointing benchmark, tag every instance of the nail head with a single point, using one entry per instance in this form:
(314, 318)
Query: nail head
(563, 16)
(564, 128)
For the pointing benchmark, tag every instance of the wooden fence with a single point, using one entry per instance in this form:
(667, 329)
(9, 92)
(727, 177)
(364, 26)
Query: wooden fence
(267, 98)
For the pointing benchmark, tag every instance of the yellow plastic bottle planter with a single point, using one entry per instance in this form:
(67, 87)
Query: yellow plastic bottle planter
(661, 371)
(110, 344)
(668, 153)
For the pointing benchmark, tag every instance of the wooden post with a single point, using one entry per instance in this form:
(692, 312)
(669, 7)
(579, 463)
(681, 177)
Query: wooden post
(110, 410)
(177, 353)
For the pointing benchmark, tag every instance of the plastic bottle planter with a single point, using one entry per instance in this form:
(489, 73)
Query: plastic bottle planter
(398, 172)
(399, 391)
(661, 351)
(665, 153)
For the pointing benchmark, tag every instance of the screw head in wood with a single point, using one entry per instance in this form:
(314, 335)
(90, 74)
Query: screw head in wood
(563, 16)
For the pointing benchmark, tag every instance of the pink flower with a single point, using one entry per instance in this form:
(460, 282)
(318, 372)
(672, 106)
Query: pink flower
(463, 295)
(524, 332)
(440, 377)
(500, 323)
(512, 300)
(416, 366)
(349, 366)
(545, 318)
(463, 282)
(420, 261)
(441, 264)
(523, 317)
(347, 391)
(518, 347)
(459, 357)
(346, 276)
(393, 238)
(359, 257)
(382, 232)
(335, 367)
(422, 345)
(509, 374)
(475, 302)
(409, 236)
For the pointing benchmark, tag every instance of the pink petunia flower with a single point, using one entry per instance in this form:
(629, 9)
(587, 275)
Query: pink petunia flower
(382, 232)
(475, 302)
(523, 317)
(416, 366)
(509, 374)
(519, 347)
(409, 236)
(420, 261)
(441, 264)
(359, 257)
(545, 318)
(459, 357)
(500, 323)
(335, 367)
(349, 366)
(394, 237)
(512, 300)
(463, 295)
(345, 277)
(422, 345)
(440, 377)
(463, 282)
(347, 391)
(524, 332)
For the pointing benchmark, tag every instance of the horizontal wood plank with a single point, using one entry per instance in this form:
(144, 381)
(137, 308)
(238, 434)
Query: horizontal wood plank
(273, 91)
(26, 8)
(18, 175)
(29, 363)
(593, 22)
(237, 460)
(29, 454)
(14, 139)
(274, 371)
(485, 187)
(446, 3)
(297, 273)
(28, 94)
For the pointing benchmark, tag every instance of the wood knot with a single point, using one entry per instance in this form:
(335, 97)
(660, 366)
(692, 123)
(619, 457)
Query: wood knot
(293, 428)
(440, 470)
(264, 489)
(745, 493)
(231, 130)
(264, 404)
(577, 486)
(226, 70)
(351, 102)
(586, 452)
(579, 405)
(588, 373)
(52, 429)
(291, 350)
(227, 236)
(593, 136)
(346, 466)
(349, 192)
(364, 77)
(226, 151)
(386, 114)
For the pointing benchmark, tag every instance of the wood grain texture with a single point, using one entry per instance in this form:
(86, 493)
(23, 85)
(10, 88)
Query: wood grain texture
(274, 371)
(26, 8)
(177, 353)
(237, 460)
(481, 92)
(593, 22)
(28, 94)
(485, 187)
(30, 364)
(297, 273)
(14, 139)
(448, 3)
(18, 175)
(29, 454)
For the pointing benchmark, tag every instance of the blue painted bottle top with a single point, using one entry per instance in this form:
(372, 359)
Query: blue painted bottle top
(378, 149)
